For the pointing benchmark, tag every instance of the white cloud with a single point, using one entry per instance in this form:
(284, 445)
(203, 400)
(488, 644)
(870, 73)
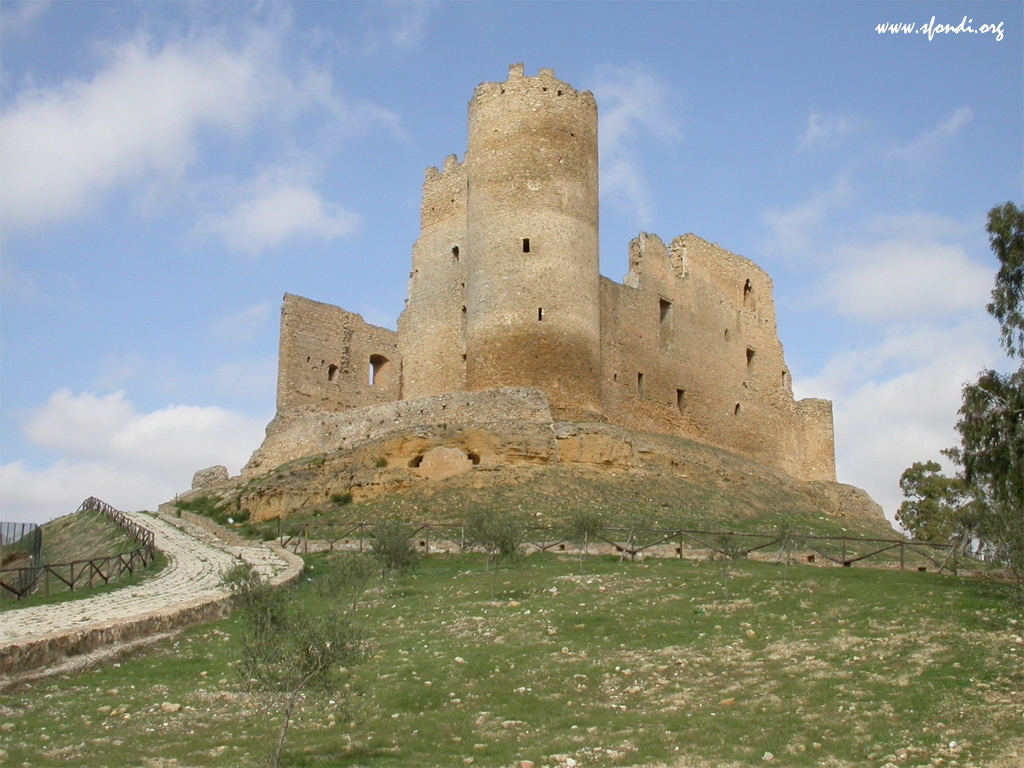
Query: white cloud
(400, 24)
(140, 120)
(924, 150)
(274, 209)
(907, 278)
(63, 149)
(828, 130)
(895, 401)
(634, 108)
(130, 459)
(799, 232)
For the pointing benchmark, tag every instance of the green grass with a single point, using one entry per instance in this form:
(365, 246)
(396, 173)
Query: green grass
(663, 662)
(79, 537)
(83, 536)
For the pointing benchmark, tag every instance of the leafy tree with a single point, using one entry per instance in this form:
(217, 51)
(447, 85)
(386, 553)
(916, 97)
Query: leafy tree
(499, 534)
(285, 650)
(934, 506)
(583, 525)
(1006, 236)
(991, 423)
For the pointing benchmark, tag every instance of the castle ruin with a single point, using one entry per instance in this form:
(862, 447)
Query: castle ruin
(508, 316)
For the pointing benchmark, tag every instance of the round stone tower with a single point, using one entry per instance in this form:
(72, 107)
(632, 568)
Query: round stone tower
(533, 306)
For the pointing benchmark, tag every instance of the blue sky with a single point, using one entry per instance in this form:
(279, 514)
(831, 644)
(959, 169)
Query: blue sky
(169, 170)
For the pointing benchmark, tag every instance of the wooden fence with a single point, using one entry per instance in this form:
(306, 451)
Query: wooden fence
(845, 551)
(66, 577)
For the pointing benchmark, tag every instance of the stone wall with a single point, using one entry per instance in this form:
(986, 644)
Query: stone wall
(309, 430)
(333, 359)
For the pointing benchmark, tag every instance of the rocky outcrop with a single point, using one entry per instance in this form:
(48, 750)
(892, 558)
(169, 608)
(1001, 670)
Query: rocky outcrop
(211, 476)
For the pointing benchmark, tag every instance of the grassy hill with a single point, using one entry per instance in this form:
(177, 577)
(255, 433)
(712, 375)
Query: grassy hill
(81, 536)
(671, 663)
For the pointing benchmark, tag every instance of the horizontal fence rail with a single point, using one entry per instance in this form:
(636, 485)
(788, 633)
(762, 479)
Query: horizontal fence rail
(38, 578)
(845, 551)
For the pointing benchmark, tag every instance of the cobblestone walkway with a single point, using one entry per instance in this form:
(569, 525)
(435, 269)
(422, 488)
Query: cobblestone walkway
(198, 560)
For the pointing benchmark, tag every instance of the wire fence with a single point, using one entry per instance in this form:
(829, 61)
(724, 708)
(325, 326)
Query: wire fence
(638, 543)
(24, 579)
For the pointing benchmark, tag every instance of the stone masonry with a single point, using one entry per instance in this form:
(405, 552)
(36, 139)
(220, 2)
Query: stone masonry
(505, 292)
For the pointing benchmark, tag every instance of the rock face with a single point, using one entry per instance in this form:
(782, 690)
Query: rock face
(211, 476)
(545, 466)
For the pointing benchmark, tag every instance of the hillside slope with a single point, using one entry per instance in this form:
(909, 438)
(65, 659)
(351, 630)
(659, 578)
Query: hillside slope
(545, 472)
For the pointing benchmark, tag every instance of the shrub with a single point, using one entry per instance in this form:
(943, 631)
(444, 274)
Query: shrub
(286, 651)
(583, 526)
(392, 546)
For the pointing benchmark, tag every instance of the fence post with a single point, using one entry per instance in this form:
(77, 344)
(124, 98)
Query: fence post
(902, 553)
(845, 564)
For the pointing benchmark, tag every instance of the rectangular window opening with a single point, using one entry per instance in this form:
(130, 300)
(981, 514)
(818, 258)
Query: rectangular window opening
(665, 312)
(640, 385)
(681, 399)
(750, 356)
(526, 245)
(540, 313)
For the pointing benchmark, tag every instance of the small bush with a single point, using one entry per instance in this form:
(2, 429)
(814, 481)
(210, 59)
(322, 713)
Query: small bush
(499, 534)
(381, 462)
(392, 546)
(346, 574)
(341, 499)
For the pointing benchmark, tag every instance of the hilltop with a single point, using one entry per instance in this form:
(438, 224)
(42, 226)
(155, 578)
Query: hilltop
(546, 472)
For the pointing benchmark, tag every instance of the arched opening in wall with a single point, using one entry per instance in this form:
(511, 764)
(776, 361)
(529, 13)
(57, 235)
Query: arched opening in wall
(415, 462)
(455, 253)
(736, 410)
(474, 457)
(785, 378)
(380, 371)
(681, 400)
(331, 371)
(639, 385)
(748, 295)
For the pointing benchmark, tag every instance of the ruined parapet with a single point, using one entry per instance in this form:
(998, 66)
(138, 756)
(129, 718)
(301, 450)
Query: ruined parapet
(333, 359)
(210, 477)
(819, 440)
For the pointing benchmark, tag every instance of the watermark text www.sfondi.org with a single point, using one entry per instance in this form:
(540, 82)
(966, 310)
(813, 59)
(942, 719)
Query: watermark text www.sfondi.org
(932, 28)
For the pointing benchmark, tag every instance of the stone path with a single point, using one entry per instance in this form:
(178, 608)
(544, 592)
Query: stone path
(194, 577)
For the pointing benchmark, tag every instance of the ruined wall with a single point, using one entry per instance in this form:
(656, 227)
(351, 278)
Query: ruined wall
(309, 430)
(690, 348)
(819, 440)
(432, 327)
(333, 359)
